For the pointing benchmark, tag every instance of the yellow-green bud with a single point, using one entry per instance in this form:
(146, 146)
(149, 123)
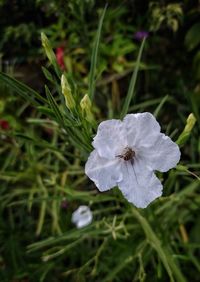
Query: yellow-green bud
(190, 123)
(66, 91)
(48, 49)
(86, 106)
(187, 130)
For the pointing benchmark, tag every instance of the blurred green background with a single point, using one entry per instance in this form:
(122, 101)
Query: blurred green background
(42, 178)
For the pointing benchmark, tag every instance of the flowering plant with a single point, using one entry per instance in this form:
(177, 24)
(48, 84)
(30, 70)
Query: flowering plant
(127, 152)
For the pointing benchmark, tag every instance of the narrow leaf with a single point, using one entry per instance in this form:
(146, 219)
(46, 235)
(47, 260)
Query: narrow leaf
(21, 89)
(92, 78)
(47, 74)
(54, 106)
(165, 256)
(159, 107)
(131, 90)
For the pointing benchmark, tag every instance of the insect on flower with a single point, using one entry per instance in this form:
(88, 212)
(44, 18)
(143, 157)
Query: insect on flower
(126, 155)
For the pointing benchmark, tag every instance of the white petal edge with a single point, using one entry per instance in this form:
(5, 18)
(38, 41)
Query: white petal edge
(105, 173)
(110, 139)
(141, 128)
(163, 155)
(139, 186)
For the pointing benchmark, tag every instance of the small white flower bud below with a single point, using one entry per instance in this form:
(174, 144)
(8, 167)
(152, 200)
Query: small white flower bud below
(82, 216)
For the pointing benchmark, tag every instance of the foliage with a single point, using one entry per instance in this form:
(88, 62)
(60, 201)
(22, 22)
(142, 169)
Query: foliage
(170, 15)
(44, 151)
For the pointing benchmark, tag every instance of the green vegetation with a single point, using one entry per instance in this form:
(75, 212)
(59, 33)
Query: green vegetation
(92, 64)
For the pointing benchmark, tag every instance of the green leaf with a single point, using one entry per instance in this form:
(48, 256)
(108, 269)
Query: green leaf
(92, 78)
(164, 254)
(131, 89)
(48, 112)
(37, 142)
(21, 89)
(48, 75)
(192, 38)
(54, 106)
(51, 114)
(159, 107)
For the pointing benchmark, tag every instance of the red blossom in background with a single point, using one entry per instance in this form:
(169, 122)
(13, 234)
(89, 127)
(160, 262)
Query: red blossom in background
(60, 57)
(4, 124)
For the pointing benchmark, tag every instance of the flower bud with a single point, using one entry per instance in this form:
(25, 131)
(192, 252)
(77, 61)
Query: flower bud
(86, 108)
(187, 130)
(190, 123)
(66, 91)
(48, 49)
(82, 216)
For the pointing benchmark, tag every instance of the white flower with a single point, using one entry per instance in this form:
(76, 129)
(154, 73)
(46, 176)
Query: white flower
(82, 216)
(126, 155)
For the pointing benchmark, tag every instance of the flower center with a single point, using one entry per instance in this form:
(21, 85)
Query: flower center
(128, 154)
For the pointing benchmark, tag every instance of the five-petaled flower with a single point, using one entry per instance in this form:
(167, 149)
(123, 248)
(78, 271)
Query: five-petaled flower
(126, 155)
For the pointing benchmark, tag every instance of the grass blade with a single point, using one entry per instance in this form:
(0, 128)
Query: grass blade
(159, 107)
(92, 78)
(23, 90)
(131, 89)
(54, 106)
(165, 256)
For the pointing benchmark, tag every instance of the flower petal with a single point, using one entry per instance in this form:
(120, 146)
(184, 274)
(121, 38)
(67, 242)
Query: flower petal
(141, 129)
(139, 186)
(110, 139)
(163, 155)
(105, 173)
(82, 216)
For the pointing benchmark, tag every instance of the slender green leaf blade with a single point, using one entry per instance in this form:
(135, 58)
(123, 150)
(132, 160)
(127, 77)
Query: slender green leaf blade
(159, 107)
(92, 77)
(54, 106)
(131, 90)
(22, 89)
(166, 257)
(47, 74)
